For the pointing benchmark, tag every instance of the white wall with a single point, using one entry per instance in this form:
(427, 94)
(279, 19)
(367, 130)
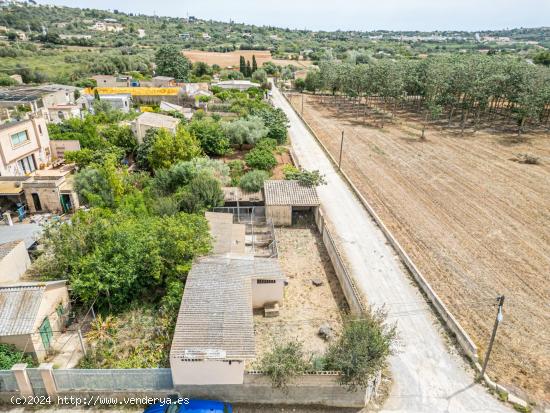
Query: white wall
(263, 294)
(206, 372)
(14, 264)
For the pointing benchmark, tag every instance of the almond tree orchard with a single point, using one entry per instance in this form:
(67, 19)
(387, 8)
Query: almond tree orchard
(465, 90)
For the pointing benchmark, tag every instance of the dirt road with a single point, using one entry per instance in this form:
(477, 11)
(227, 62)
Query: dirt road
(428, 375)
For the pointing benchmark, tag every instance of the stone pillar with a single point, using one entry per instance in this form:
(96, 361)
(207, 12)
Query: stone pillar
(22, 378)
(46, 372)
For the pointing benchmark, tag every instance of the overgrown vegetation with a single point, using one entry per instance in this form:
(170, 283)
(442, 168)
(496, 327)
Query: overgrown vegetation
(10, 355)
(284, 362)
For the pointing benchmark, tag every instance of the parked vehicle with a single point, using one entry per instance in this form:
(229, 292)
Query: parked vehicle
(193, 406)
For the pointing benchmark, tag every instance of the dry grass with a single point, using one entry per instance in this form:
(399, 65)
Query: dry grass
(227, 59)
(474, 222)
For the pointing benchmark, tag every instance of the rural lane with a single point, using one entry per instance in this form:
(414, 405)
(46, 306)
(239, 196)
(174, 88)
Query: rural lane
(429, 376)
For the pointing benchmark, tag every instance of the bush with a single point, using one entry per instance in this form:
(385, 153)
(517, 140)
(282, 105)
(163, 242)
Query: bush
(210, 135)
(10, 355)
(283, 363)
(203, 192)
(253, 181)
(259, 158)
(362, 349)
(242, 131)
(267, 144)
(304, 177)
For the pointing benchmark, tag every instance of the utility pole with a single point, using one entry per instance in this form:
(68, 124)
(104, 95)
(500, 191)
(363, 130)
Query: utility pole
(498, 319)
(341, 147)
(302, 103)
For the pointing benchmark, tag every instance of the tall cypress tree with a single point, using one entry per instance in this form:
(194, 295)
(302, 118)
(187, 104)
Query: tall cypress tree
(254, 64)
(248, 69)
(242, 65)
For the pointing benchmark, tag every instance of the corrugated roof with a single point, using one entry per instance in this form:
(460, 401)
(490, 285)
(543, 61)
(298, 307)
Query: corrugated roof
(215, 316)
(289, 193)
(27, 232)
(19, 308)
(8, 247)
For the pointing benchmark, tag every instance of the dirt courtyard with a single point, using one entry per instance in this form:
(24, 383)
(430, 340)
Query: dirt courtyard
(306, 307)
(476, 223)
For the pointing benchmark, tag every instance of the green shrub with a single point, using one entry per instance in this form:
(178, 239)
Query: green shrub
(267, 144)
(284, 362)
(10, 355)
(362, 349)
(304, 177)
(259, 158)
(253, 181)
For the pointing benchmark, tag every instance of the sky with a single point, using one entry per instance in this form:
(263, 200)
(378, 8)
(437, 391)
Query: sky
(365, 15)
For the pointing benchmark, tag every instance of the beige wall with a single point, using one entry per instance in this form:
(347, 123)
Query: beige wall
(38, 145)
(140, 129)
(50, 199)
(14, 264)
(206, 372)
(53, 296)
(58, 148)
(263, 294)
(280, 214)
(67, 113)
(23, 342)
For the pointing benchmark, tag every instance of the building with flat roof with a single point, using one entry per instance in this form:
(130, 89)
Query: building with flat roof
(151, 120)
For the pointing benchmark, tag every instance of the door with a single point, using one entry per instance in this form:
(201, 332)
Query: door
(66, 203)
(46, 333)
(37, 204)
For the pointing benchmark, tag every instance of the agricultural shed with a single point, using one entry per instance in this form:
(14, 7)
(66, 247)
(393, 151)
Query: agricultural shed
(284, 198)
(214, 332)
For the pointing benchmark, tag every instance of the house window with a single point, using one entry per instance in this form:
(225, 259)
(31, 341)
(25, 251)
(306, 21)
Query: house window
(27, 164)
(40, 129)
(19, 138)
(266, 281)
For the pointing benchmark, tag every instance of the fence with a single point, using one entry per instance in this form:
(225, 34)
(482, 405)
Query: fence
(112, 384)
(113, 379)
(7, 381)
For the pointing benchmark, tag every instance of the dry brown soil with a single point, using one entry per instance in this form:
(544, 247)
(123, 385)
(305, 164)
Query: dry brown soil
(305, 308)
(232, 58)
(476, 223)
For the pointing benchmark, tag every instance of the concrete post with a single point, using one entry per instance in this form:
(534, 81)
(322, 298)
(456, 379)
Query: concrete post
(7, 218)
(22, 378)
(46, 372)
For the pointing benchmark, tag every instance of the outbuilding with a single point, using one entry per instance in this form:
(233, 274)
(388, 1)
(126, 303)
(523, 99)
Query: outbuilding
(284, 199)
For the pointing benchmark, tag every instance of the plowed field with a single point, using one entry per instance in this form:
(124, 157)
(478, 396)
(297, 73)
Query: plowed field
(476, 223)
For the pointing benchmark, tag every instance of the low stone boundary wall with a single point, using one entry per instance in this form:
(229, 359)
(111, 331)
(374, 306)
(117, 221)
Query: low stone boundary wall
(309, 389)
(463, 339)
(108, 385)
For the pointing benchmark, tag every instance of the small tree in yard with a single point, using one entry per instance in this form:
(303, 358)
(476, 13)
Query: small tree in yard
(304, 177)
(253, 181)
(283, 363)
(362, 349)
